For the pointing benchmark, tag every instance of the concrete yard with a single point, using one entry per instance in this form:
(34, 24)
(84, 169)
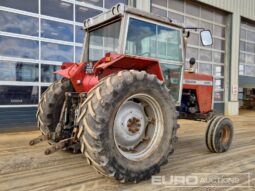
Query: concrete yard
(23, 167)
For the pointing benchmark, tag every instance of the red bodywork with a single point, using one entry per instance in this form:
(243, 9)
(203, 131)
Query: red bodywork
(111, 63)
(203, 85)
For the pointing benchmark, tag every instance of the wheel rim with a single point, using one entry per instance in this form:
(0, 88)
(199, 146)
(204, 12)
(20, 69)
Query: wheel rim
(138, 127)
(224, 135)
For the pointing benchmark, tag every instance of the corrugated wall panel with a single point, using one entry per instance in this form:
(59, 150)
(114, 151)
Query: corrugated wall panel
(17, 117)
(243, 7)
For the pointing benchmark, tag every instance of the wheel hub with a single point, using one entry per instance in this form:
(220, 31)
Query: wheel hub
(134, 125)
(138, 127)
(130, 124)
(224, 135)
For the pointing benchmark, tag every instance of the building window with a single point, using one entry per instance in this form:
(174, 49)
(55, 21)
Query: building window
(247, 49)
(192, 52)
(82, 13)
(205, 68)
(59, 39)
(56, 8)
(218, 57)
(56, 52)
(79, 34)
(205, 55)
(18, 71)
(47, 73)
(25, 5)
(18, 95)
(56, 30)
(21, 48)
(160, 2)
(176, 5)
(78, 52)
(249, 70)
(219, 96)
(219, 84)
(110, 3)
(20, 24)
(93, 2)
(218, 44)
(218, 71)
(43, 89)
(160, 12)
(177, 17)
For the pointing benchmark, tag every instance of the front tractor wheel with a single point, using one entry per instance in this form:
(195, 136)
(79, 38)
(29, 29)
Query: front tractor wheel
(129, 126)
(219, 134)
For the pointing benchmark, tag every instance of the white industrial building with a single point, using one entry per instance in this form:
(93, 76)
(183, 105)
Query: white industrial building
(36, 36)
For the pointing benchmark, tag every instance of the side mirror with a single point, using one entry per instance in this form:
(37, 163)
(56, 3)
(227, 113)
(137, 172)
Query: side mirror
(206, 37)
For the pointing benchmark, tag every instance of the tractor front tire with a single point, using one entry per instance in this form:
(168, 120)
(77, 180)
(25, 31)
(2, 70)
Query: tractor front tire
(50, 105)
(219, 134)
(128, 126)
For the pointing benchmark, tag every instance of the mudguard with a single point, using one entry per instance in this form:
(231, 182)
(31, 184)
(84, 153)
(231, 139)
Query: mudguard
(111, 63)
(76, 73)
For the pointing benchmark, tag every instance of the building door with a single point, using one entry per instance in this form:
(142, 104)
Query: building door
(247, 65)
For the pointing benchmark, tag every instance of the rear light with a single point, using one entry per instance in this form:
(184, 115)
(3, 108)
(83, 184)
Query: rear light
(108, 59)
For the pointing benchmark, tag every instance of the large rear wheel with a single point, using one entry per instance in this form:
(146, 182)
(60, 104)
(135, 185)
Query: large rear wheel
(129, 126)
(50, 105)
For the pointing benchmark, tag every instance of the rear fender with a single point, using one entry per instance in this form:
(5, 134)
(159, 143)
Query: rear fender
(112, 63)
(69, 69)
(75, 72)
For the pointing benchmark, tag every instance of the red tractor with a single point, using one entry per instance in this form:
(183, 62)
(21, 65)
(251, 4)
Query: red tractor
(119, 106)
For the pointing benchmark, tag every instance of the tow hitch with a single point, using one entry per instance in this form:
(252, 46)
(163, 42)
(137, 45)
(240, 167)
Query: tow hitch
(66, 133)
(71, 144)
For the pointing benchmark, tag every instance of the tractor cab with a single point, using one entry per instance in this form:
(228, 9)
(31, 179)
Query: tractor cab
(125, 30)
(129, 31)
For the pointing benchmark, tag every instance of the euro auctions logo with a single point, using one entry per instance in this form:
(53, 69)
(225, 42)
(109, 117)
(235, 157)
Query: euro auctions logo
(204, 180)
(175, 180)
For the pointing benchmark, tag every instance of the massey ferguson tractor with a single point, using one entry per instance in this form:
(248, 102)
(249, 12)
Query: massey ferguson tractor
(119, 106)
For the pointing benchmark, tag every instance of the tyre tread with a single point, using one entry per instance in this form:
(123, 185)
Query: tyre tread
(94, 119)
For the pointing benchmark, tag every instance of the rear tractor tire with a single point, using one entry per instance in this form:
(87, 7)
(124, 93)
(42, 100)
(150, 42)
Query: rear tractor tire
(219, 134)
(50, 105)
(128, 125)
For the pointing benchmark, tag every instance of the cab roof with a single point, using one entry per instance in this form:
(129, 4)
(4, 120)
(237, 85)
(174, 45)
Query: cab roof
(119, 10)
